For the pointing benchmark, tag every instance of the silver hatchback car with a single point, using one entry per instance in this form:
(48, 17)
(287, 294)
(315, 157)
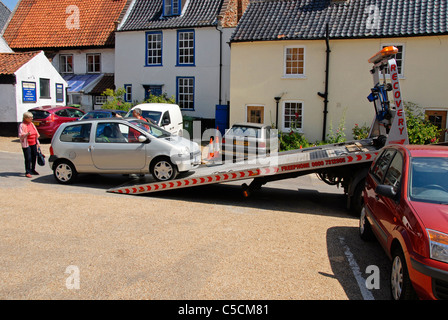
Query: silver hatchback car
(125, 146)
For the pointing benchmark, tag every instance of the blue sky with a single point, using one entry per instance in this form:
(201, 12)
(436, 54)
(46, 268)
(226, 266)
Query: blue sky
(10, 3)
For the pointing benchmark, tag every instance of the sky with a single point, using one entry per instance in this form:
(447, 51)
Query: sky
(10, 3)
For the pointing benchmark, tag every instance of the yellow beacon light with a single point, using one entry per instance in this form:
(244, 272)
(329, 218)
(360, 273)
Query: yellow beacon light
(385, 52)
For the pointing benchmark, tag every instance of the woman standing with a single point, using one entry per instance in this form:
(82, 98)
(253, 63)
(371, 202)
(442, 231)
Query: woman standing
(29, 138)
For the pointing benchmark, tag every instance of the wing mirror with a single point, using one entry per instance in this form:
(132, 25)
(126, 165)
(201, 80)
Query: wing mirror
(143, 139)
(386, 191)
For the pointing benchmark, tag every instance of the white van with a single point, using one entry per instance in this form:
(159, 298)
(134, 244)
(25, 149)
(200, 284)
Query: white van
(165, 115)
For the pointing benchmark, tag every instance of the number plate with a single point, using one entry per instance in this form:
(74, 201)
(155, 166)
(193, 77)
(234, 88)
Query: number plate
(240, 143)
(36, 123)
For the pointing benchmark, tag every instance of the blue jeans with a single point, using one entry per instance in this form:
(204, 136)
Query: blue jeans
(30, 155)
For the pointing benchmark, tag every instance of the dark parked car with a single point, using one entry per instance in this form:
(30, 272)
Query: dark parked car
(47, 119)
(406, 208)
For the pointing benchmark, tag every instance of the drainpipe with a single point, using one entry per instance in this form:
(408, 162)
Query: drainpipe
(325, 94)
(219, 28)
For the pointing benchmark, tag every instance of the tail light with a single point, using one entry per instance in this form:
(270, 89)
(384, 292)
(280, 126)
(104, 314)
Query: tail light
(51, 151)
(49, 119)
(262, 144)
(223, 140)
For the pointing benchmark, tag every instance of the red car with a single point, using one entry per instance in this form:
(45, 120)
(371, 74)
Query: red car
(406, 209)
(48, 118)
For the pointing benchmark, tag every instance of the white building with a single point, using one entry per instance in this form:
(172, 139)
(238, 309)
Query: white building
(27, 80)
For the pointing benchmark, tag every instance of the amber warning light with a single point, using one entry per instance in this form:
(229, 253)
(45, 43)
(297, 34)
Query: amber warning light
(384, 53)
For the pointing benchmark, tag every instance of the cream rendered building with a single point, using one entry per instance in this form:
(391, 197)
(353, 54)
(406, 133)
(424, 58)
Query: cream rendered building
(287, 60)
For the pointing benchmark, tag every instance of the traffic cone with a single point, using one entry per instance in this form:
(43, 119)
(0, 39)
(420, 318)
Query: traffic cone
(217, 149)
(211, 150)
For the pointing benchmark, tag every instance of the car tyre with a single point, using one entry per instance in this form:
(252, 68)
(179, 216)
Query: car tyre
(400, 283)
(162, 169)
(64, 172)
(365, 229)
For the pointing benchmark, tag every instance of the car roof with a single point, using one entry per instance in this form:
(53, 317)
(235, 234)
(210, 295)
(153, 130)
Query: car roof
(249, 124)
(156, 106)
(52, 108)
(427, 150)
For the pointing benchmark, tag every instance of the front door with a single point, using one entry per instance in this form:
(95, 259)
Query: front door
(438, 118)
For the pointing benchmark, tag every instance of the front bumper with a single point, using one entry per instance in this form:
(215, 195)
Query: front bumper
(187, 162)
(436, 278)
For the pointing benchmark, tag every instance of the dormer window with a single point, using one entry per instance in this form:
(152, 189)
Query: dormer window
(171, 8)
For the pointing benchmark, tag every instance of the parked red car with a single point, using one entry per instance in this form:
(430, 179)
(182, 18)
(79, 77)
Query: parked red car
(406, 208)
(48, 118)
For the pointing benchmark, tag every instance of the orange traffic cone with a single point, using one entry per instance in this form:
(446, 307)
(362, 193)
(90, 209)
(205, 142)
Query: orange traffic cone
(211, 150)
(217, 147)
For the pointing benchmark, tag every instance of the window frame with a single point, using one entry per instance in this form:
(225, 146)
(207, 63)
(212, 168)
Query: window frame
(178, 99)
(94, 63)
(63, 63)
(178, 49)
(42, 95)
(400, 62)
(147, 35)
(284, 127)
(171, 9)
(128, 93)
(285, 63)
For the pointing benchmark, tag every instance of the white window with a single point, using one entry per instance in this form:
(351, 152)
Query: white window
(93, 63)
(66, 63)
(154, 48)
(294, 62)
(100, 99)
(399, 57)
(293, 115)
(185, 92)
(128, 92)
(185, 48)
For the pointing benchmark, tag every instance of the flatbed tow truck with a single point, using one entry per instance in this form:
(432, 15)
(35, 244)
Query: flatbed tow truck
(344, 164)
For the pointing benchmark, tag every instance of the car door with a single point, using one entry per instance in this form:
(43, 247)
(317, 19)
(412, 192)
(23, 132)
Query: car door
(388, 208)
(115, 148)
(375, 177)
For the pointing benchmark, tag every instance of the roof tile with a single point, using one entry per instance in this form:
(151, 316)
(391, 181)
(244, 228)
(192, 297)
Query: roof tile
(11, 62)
(49, 23)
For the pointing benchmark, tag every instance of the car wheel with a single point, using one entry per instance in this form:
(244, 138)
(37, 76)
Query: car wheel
(400, 283)
(64, 172)
(162, 169)
(365, 229)
(357, 199)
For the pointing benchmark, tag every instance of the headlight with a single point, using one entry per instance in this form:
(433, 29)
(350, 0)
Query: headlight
(184, 151)
(438, 245)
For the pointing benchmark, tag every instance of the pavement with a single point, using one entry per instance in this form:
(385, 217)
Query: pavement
(205, 243)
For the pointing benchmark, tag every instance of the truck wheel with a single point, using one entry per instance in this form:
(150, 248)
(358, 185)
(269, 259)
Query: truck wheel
(400, 283)
(357, 202)
(162, 169)
(64, 172)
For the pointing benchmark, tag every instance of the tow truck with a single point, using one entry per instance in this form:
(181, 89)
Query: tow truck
(345, 164)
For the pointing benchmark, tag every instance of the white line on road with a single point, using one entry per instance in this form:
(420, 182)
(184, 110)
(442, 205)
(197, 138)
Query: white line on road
(366, 294)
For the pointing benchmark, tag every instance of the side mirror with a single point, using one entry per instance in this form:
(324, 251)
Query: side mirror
(387, 191)
(143, 139)
(166, 122)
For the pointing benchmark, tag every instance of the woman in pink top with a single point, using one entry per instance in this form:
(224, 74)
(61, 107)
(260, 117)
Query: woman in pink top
(29, 138)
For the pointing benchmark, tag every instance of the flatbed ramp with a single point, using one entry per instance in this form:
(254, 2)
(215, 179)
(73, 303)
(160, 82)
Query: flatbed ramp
(285, 163)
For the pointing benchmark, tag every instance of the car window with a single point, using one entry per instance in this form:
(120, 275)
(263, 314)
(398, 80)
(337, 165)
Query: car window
(153, 130)
(153, 115)
(39, 114)
(395, 171)
(111, 132)
(62, 113)
(74, 113)
(166, 118)
(381, 165)
(429, 180)
(245, 131)
(76, 133)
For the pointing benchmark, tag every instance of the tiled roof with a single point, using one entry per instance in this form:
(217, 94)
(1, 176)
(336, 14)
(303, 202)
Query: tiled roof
(52, 23)
(146, 15)
(4, 15)
(11, 62)
(307, 19)
(106, 82)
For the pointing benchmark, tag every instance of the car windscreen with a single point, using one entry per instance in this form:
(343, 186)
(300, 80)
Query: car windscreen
(429, 180)
(153, 115)
(153, 130)
(96, 115)
(39, 114)
(244, 131)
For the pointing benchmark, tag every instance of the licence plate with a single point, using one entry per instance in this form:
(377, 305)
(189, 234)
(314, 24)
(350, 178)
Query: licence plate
(241, 143)
(36, 123)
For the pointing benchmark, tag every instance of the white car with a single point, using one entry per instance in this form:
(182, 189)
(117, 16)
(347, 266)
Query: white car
(124, 146)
